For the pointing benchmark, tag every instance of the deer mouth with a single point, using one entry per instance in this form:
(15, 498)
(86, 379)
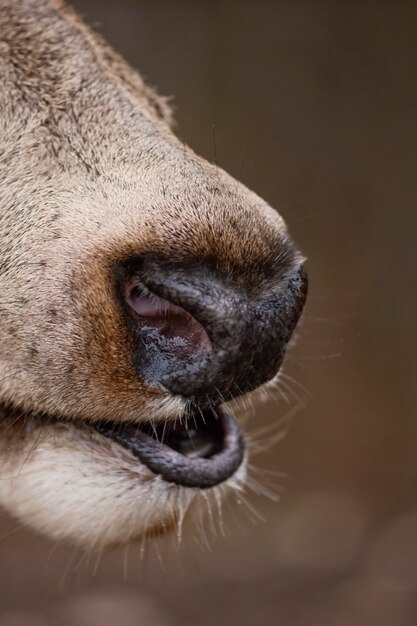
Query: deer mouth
(200, 451)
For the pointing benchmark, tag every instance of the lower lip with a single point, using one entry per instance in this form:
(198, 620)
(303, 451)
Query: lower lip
(193, 470)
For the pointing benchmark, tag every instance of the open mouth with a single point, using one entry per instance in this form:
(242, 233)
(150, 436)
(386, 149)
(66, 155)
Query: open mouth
(201, 451)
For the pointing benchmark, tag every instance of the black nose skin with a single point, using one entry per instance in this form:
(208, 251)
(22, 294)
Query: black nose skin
(200, 336)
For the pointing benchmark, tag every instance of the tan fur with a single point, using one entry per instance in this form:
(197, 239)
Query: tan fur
(91, 173)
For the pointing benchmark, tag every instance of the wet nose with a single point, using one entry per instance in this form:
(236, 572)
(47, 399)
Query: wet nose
(197, 334)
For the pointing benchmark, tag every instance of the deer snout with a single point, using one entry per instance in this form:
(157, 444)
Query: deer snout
(199, 334)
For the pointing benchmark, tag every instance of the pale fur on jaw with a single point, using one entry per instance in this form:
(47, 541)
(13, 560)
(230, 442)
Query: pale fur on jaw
(127, 494)
(91, 172)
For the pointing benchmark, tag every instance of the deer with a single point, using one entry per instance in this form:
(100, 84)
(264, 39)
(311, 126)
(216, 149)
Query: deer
(142, 289)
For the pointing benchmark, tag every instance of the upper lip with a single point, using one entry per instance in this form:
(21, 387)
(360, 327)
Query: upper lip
(201, 451)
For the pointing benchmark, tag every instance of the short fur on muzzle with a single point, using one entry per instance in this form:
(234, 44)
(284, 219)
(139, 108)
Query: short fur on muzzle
(141, 288)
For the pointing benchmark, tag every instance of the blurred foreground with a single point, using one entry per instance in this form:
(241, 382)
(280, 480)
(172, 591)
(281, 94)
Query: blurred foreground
(321, 563)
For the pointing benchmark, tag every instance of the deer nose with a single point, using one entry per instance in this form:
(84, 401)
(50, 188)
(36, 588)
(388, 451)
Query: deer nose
(198, 334)
(178, 331)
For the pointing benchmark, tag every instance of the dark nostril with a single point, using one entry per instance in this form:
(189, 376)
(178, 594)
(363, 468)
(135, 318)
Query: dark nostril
(147, 304)
(168, 319)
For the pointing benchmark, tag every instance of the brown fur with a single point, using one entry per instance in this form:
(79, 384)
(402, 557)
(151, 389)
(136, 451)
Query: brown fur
(92, 174)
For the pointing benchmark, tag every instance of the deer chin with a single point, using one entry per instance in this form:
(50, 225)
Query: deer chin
(106, 483)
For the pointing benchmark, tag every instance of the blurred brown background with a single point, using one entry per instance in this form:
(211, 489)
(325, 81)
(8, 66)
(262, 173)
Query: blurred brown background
(313, 105)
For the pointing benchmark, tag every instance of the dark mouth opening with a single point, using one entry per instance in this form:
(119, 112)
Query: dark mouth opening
(202, 450)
